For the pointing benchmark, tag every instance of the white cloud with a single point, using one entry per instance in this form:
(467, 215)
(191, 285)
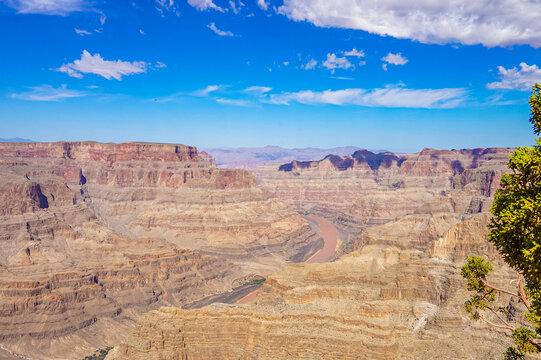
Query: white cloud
(204, 5)
(517, 79)
(286, 63)
(94, 64)
(390, 97)
(142, 32)
(234, 102)
(354, 52)
(258, 89)
(333, 62)
(213, 27)
(160, 65)
(82, 32)
(384, 67)
(47, 7)
(102, 19)
(342, 78)
(487, 22)
(167, 5)
(48, 93)
(263, 4)
(395, 59)
(234, 7)
(310, 65)
(206, 91)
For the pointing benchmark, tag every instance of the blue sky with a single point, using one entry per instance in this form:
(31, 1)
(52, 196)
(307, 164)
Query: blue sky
(293, 73)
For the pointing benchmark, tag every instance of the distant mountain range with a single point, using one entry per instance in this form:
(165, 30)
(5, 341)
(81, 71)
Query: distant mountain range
(249, 158)
(17, 139)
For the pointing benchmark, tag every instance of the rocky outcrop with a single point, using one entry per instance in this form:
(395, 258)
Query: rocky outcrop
(91, 235)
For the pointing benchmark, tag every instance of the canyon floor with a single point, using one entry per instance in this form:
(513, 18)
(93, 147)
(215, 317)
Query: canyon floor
(152, 249)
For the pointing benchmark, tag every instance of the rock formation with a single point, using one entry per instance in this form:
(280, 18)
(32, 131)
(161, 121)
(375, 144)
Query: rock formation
(407, 223)
(380, 302)
(366, 189)
(94, 234)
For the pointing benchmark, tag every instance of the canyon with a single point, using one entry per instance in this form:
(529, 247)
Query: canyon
(406, 223)
(93, 235)
(149, 247)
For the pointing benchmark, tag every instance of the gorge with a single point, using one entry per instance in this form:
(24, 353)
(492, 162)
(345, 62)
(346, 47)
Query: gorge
(139, 245)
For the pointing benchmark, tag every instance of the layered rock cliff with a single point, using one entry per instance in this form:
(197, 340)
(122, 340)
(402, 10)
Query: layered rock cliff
(407, 223)
(365, 190)
(91, 235)
(380, 302)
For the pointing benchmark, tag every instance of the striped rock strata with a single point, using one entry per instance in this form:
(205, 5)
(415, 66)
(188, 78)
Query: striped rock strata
(91, 235)
(407, 225)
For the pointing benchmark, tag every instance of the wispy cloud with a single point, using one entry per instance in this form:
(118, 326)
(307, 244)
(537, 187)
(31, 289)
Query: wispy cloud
(498, 100)
(258, 89)
(48, 7)
(354, 53)
(264, 5)
(213, 27)
(164, 6)
(159, 65)
(236, 5)
(204, 5)
(47, 93)
(82, 32)
(486, 22)
(391, 96)
(202, 93)
(234, 102)
(517, 79)
(95, 64)
(310, 65)
(206, 91)
(342, 78)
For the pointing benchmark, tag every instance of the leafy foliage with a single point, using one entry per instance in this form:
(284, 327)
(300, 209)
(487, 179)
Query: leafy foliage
(512, 354)
(523, 339)
(515, 230)
(476, 271)
(535, 106)
(254, 282)
(100, 354)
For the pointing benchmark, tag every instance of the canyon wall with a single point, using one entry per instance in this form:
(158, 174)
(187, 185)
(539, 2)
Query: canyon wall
(380, 302)
(92, 235)
(407, 223)
(367, 190)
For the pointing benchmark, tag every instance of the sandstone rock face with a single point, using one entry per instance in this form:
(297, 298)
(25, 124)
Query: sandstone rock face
(407, 223)
(91, 235)
(376, 303)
